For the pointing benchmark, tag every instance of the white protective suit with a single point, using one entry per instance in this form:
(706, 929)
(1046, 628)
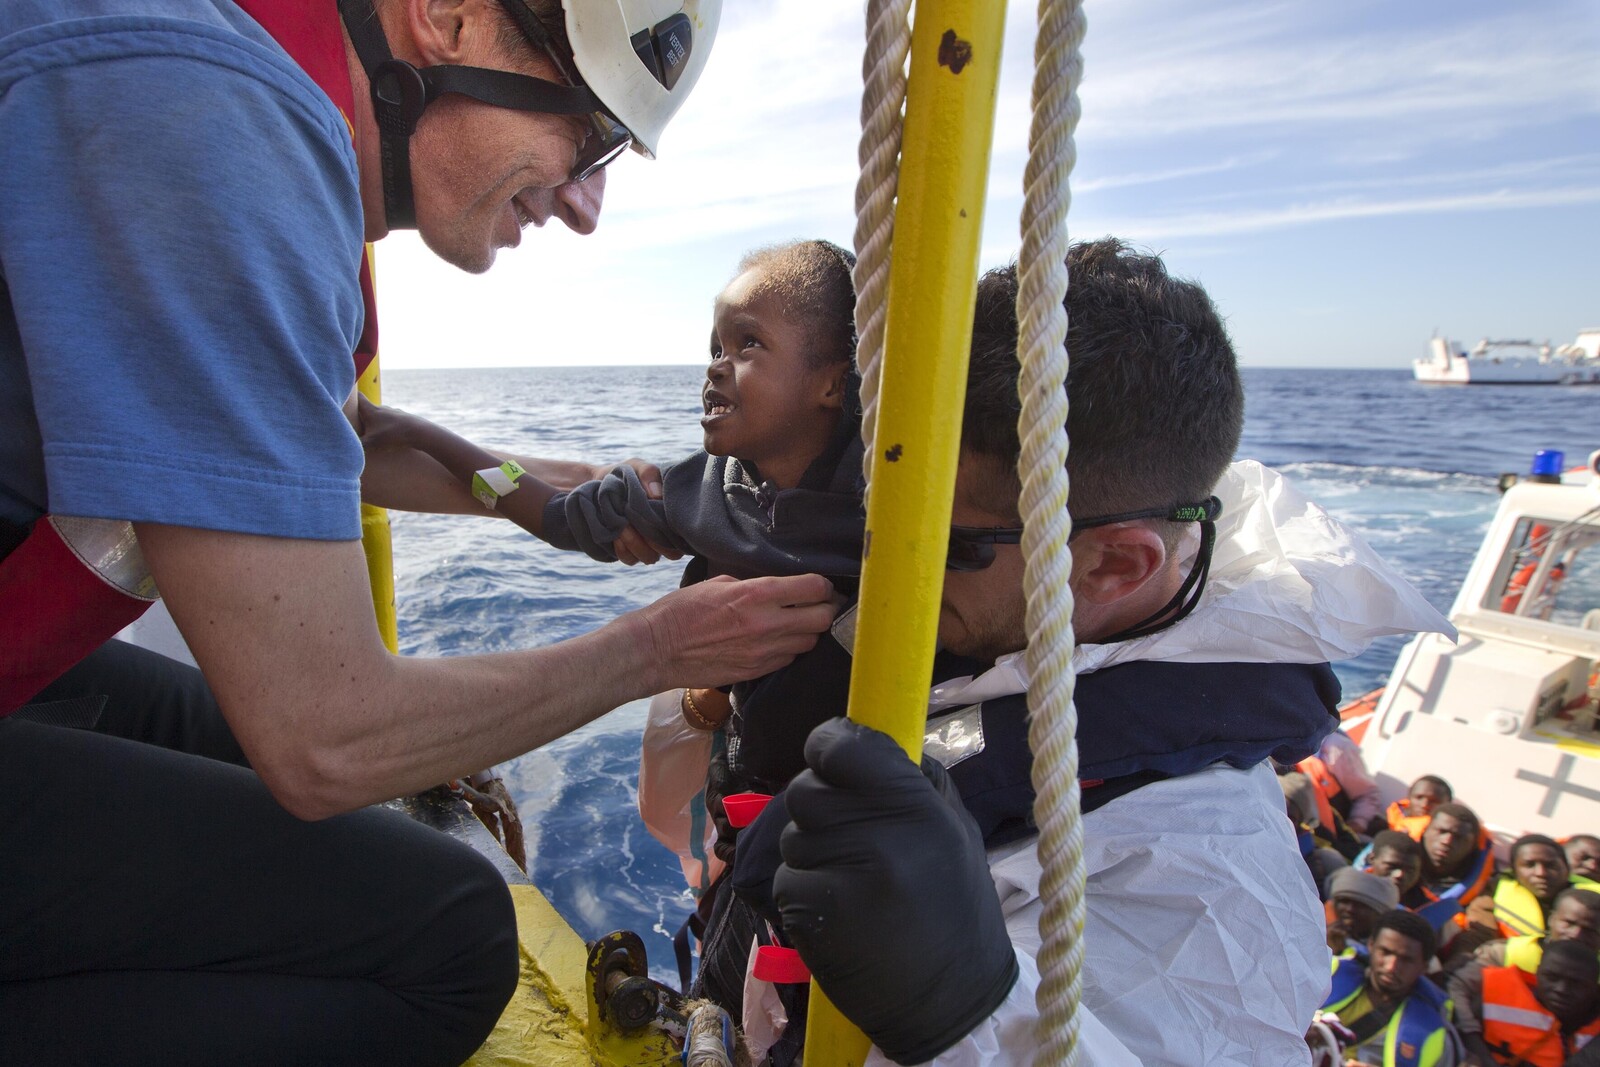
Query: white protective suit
(1204, 938)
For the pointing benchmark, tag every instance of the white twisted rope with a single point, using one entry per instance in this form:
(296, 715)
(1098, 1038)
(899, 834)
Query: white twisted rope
(1041, 347)
(882, 107)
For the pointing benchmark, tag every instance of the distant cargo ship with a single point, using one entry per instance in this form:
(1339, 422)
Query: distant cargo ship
(1512, 362)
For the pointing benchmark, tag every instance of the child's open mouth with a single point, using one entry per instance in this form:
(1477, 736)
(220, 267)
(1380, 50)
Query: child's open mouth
(715, 405)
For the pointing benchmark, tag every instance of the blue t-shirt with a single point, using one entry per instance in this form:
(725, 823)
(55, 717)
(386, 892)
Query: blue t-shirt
(180, 244)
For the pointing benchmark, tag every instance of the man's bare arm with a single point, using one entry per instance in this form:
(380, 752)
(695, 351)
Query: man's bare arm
(283, 630)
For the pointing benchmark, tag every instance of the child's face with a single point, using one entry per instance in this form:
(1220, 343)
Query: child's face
(1424, 797)
(765, 403)
(1403, 870)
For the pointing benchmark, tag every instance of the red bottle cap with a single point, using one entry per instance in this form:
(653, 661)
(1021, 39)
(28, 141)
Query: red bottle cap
(780, 966)
(742, 808)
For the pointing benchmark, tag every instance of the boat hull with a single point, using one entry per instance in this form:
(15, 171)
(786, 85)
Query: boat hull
(1503, 372)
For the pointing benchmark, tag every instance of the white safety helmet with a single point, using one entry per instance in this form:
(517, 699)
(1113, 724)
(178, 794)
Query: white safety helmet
(641, 57)
(632, 64)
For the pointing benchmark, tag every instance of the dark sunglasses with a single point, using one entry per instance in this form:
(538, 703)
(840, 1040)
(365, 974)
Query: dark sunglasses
(972, 547)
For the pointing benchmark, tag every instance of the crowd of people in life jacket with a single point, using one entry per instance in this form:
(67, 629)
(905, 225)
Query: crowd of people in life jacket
(1441, 955)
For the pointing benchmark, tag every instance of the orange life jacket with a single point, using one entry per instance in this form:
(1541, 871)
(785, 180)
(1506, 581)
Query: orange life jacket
(1325, 786)
(1518, 1029)
(1410, 825)
(1517, 587)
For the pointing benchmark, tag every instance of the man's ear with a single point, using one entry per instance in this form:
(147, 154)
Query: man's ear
(1114, 563)
(437, 31)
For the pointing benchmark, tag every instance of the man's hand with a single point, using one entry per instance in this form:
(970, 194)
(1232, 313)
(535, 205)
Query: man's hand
(723, 630)
(886, 892)
(285, 634)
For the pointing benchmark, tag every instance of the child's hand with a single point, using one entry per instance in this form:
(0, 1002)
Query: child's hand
(382, 428)
(632, 547)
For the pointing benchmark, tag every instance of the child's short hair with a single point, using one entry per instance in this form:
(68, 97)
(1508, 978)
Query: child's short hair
(1434, 780)
(1398, 842)
(813, 279)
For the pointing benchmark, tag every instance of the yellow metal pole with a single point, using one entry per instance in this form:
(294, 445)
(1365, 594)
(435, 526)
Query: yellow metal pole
(944, 168)
(375, 539)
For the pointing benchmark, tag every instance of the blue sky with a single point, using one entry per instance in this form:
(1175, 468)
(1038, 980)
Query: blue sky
(1343, 178)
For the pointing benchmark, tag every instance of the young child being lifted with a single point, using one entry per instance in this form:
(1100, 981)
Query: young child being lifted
(776, 489)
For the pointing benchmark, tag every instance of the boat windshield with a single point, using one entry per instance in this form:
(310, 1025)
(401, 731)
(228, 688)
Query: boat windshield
(1551, 572)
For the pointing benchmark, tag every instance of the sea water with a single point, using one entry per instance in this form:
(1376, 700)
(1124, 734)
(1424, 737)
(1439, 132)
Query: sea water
(1411, 467)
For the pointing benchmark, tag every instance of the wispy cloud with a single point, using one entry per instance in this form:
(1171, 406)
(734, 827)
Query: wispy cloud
(1194, 68)
(1121, 181)
(1210, 224)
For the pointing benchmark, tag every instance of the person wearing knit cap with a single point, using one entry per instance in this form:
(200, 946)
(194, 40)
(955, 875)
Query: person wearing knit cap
(1356, 899)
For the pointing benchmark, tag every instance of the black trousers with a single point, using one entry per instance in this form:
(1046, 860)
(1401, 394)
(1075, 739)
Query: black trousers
(158, 907)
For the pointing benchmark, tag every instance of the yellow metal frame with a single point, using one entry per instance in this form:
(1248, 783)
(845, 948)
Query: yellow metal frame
(944, 170)
(375, 538)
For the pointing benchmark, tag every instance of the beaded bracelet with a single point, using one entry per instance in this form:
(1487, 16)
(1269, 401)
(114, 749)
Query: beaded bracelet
(694, 716)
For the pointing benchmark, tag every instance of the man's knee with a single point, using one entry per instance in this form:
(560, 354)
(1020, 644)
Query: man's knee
(493, 916)
(467, 960)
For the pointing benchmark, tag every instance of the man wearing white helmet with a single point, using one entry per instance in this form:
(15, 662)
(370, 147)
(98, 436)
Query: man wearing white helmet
(187, 189)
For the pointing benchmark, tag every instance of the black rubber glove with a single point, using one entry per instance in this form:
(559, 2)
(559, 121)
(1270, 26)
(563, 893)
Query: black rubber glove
(886, 892)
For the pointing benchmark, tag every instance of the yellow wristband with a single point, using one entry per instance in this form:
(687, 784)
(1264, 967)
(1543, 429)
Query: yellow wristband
(492, 483)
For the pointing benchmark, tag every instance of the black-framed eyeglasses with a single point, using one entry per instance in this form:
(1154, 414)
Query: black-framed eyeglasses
(972, 547)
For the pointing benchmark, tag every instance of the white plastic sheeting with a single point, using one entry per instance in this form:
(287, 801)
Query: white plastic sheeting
(1289, 583)
(1204, 936)
(672, 780)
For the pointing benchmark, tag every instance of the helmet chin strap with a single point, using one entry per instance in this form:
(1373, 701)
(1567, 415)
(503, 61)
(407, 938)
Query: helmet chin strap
(398, 100)
(402, 92)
